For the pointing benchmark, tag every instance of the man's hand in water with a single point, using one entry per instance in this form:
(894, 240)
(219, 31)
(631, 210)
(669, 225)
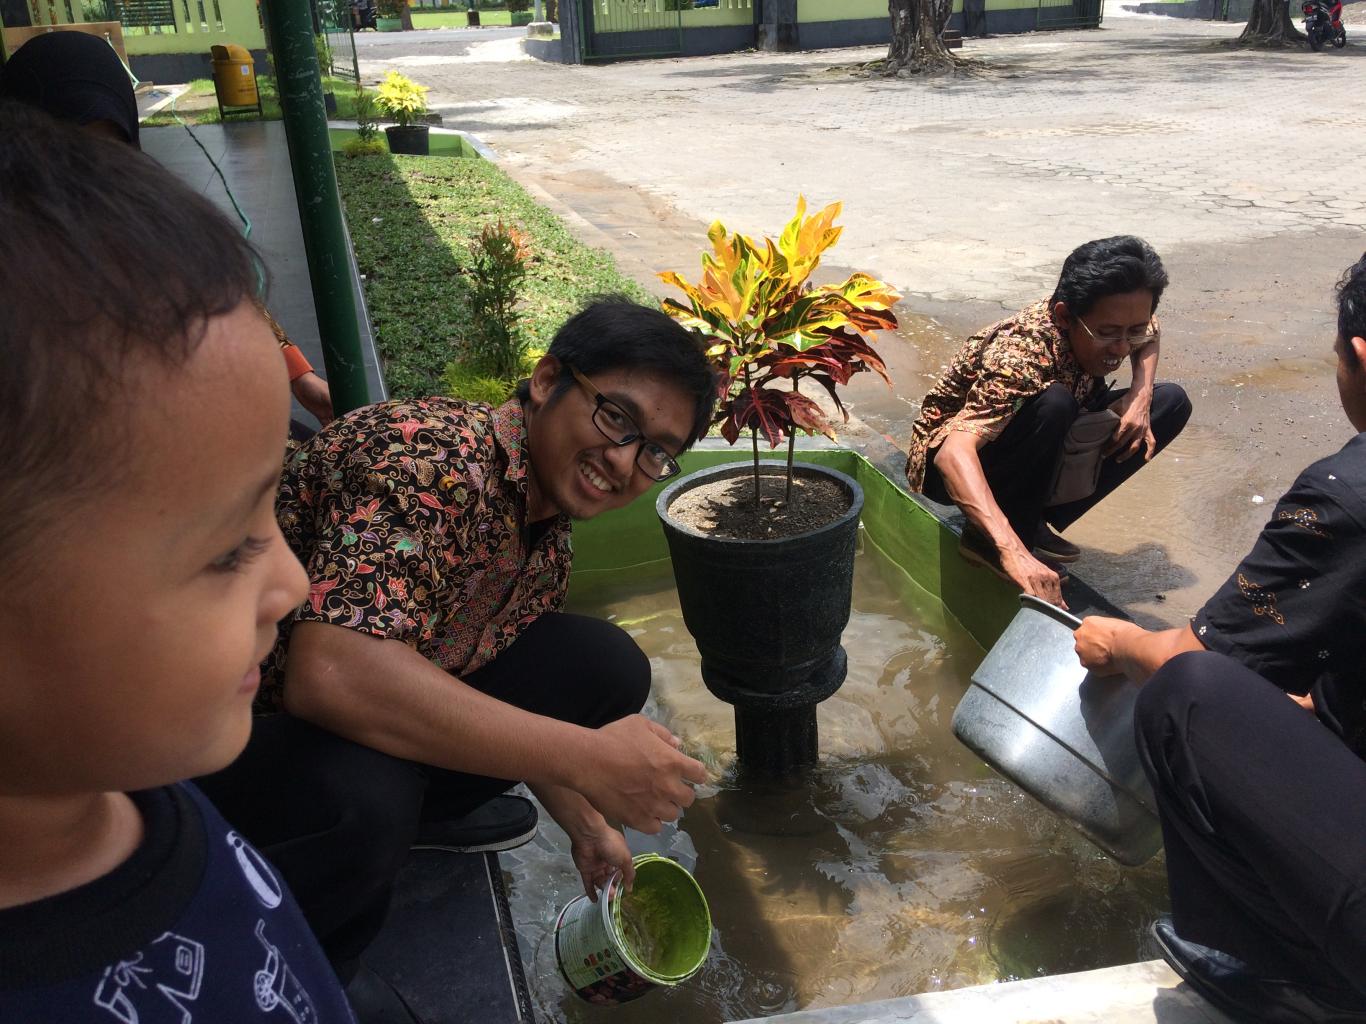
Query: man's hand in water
(636, 775)
(1031, 575)
(598, 849)
(599, 855)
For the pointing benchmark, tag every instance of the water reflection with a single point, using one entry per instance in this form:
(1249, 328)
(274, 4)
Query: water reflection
(900, 864)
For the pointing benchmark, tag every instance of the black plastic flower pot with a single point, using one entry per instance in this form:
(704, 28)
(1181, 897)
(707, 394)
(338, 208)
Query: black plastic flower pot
(767, 617)
(410, 139)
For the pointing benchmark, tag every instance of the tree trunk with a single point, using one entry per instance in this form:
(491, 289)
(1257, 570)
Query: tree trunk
(917, 36)
(1269, 25)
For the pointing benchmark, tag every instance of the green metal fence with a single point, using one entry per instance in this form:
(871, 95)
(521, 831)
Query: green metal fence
(631, 28)
(335, 17)
(1063, 14)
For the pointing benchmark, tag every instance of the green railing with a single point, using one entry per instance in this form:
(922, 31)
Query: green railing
(335, 17)
(631, 28)
(1063, 14)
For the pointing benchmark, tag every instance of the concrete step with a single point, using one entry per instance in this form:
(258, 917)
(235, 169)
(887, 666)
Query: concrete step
(1144, 993)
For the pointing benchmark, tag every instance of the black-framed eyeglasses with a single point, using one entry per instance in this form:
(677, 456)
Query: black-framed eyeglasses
(615, 424)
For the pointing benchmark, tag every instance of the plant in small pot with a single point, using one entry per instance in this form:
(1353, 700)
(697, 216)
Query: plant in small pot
(390, 15)
(405, 101)
(763, 554)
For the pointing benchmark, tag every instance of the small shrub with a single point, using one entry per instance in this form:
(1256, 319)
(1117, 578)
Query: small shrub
(364, 147)
(366, 129)
(391, 8)
(498, 266)
(324, 53)
(517, 6)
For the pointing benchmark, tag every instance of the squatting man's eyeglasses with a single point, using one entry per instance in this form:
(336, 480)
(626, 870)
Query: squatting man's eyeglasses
(615, 424)
(1134, 339)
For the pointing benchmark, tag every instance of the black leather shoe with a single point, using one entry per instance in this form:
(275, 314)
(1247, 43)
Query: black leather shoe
(374, 1001)
(1239, 991)
(503, 823)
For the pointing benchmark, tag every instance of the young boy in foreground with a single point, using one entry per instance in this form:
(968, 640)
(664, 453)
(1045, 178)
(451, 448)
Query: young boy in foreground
(142, 416)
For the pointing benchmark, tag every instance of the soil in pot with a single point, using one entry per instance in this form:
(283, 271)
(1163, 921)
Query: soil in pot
(725, 508)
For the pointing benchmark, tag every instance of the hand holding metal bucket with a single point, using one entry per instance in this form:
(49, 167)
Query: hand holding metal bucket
(1063, 735)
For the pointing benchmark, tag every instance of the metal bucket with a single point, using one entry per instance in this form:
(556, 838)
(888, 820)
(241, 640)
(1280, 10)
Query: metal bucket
(1062, 735)
(610, 957)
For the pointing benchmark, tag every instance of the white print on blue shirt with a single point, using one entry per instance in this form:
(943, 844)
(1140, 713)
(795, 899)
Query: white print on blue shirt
(155, 984)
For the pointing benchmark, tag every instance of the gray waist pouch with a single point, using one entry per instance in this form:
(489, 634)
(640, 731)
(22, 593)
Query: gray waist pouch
(1079, 469)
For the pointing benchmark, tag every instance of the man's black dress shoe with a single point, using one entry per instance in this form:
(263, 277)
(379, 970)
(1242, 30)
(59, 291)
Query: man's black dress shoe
(1239, 991)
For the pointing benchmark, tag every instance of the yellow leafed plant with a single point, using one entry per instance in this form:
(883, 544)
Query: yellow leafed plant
(402, 98)
(768, 328)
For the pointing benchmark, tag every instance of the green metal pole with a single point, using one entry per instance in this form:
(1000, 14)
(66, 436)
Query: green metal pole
(315, 186)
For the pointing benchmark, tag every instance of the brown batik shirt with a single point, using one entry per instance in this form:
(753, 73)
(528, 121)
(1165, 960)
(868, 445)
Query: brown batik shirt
(995, 372)
(411, 519)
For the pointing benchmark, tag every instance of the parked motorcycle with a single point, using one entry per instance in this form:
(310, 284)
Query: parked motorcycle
(1323, 23)
(363, 14)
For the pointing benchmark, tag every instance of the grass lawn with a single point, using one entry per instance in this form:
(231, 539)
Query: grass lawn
(197, 106)
(457, 19)
(411, 220)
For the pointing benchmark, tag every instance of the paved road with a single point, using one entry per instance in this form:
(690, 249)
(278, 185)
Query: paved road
(967, 193)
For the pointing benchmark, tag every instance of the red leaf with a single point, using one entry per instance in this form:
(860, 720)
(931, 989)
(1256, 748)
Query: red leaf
(764, 409)
(807, 415)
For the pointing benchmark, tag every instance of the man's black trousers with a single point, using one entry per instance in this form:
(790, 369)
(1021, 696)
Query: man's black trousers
(338, 818)
(1021, 463)
(1264, 818)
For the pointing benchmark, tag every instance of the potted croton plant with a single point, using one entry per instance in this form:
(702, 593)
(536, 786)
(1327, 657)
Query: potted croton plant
(763, 553)
(405, 101)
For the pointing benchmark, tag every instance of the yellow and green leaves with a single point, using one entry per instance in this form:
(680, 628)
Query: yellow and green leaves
(768, 325)
(402, 98)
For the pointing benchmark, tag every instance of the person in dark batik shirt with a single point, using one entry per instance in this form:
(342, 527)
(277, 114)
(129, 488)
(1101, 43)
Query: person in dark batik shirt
(1252, 729)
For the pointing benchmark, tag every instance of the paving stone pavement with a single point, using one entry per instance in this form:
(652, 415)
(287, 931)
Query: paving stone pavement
(958, 189)
(1242, 168)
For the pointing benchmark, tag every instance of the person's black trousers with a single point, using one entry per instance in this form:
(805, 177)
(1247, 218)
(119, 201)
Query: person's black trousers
(1021, 463)
(338, 818)
(1264, 818)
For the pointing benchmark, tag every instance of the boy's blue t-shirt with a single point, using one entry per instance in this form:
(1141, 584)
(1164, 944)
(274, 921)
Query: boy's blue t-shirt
(194, 928)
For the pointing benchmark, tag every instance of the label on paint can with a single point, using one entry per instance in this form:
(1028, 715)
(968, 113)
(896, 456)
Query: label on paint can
(587, 949)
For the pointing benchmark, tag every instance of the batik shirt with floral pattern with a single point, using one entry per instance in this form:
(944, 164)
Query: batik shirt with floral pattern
(411, 519)
(1294, 611)
(995, 372)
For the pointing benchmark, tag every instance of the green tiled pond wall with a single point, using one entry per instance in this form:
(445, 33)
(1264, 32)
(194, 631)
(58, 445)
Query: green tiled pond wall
(627, 546)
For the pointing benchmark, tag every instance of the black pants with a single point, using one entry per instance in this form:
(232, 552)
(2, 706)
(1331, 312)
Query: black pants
(338, 818)
(1264, 819)
(1021, 463)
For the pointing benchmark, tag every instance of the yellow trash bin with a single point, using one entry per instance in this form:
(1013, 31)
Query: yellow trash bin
(234, 78)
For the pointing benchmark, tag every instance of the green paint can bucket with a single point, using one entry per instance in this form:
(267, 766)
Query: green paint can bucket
(627, 944)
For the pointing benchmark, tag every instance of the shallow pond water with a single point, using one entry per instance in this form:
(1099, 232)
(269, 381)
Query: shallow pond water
(900, 864)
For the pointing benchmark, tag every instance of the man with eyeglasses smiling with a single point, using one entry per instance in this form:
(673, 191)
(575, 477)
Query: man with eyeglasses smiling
(1024, 434)
(432, 666)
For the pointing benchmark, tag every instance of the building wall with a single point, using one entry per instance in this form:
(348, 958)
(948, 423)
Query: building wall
(1222, 10)
(170, 54)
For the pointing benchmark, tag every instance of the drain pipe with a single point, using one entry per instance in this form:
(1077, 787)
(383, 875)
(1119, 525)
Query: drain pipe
(290, 29)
